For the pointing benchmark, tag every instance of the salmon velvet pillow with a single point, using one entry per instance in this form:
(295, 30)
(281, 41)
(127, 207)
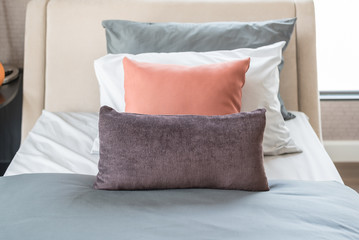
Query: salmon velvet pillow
(210, 89)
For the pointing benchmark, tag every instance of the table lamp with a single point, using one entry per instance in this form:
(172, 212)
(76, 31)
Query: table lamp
(2, 73)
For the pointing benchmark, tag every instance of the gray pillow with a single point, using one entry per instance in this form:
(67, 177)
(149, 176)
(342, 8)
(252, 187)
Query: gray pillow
(140, 151)
(137, 37)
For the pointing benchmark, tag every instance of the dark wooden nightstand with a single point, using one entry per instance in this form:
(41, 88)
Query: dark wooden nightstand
(10, 121)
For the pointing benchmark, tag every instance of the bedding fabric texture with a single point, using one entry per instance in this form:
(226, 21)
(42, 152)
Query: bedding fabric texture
(140, 151)
(260, 89)
(65, 206)
(143, 37)
(163, 89)
(51, 148)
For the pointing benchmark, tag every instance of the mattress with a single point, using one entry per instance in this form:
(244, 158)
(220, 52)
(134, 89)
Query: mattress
(61, 143)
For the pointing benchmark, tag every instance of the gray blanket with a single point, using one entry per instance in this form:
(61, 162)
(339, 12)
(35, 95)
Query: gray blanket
(65, 206)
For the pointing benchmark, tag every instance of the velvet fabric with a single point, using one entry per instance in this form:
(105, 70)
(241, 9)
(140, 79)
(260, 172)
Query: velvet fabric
(181, 151)
(209, 89)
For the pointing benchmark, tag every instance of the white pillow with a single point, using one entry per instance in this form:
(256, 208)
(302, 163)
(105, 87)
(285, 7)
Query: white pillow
(260, 89)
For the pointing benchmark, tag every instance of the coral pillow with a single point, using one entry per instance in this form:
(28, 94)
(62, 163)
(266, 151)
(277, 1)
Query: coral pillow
(211, 89)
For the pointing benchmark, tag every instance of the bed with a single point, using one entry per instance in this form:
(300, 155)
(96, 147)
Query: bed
(48, 190)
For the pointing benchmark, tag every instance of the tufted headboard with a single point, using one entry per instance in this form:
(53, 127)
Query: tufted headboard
(64, 37)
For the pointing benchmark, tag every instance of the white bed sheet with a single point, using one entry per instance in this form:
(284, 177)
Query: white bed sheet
(313, 163)
(61, 143)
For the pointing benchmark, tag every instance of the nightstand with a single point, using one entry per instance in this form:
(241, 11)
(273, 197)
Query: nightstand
(10, 121)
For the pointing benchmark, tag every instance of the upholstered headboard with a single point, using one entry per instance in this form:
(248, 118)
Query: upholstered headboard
(64, 37)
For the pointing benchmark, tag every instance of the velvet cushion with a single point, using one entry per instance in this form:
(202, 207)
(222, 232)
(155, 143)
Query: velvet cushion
(209, 89)
(181, 151)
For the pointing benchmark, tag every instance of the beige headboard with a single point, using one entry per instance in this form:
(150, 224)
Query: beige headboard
(64, 37)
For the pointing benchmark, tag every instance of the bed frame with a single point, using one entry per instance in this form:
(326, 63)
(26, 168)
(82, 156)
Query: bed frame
(64, 37)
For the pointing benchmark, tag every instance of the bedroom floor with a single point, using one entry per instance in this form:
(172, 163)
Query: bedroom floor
(349, 171)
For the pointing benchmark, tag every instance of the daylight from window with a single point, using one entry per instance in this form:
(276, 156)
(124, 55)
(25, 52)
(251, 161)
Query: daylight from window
(337, 44)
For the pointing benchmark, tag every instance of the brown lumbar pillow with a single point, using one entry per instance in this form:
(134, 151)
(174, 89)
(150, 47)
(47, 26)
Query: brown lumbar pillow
(140, 151)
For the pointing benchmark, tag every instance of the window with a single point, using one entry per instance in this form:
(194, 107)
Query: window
(337, 45)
